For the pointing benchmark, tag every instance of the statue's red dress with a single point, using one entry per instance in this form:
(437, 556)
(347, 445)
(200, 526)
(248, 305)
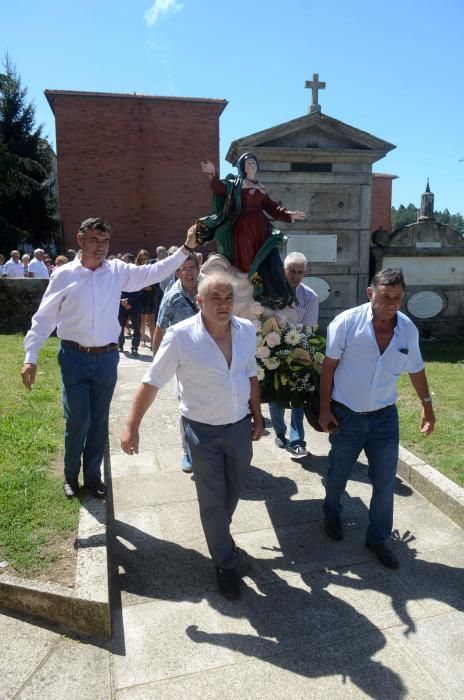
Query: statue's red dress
(252, 226)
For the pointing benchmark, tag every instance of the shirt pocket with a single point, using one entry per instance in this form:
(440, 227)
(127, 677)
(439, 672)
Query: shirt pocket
(395, 362)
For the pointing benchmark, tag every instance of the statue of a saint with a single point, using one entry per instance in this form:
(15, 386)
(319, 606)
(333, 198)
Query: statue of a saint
(244, 234)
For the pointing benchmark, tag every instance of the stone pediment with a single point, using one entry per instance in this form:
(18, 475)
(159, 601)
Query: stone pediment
(314, 135)
(430, 235)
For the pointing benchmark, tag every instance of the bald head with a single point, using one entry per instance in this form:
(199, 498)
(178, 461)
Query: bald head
(216, 299)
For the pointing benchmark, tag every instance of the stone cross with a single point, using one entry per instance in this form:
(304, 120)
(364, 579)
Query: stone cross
(315, 86)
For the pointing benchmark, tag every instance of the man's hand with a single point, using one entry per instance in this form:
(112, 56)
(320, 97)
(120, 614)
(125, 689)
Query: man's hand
(191, 241)
(28, 374)
(427, 422)
(327, 420)
(257, 427)
(130, 440)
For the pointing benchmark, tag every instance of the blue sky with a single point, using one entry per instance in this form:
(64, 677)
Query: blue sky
(393, 69)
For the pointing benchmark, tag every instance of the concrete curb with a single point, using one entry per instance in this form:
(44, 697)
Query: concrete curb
(436, 488)
(86, 607)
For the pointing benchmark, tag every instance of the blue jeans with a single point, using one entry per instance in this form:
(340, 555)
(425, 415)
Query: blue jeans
(378, 435)
(296, 424)
(88, 384)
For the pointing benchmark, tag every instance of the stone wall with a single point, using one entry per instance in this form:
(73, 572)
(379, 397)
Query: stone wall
(19, 300)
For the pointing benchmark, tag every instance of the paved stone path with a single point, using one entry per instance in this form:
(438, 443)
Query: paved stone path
(317, 618)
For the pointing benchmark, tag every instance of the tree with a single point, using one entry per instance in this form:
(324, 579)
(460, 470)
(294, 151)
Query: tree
(408, 215)
(27, 200)
(403, 216)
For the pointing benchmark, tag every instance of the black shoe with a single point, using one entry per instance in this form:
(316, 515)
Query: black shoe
(281, 441)
(121, 348)
(134, 352)
(228, 582)
(333, 528)
(297, 451)
(70, 488)
(384, 555)
(97, 489)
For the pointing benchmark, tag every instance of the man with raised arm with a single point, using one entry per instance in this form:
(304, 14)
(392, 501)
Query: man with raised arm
(82, 303)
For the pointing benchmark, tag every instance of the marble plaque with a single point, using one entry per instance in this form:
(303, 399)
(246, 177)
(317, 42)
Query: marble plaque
(320, 286)
(425, 304)
(428, 244)
(318, 248)
(431, 270)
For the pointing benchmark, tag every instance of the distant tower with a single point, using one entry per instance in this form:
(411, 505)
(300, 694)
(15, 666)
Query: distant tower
(426, 210)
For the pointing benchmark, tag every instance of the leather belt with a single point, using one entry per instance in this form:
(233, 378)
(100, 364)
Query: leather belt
(82, 348)
(362, 413)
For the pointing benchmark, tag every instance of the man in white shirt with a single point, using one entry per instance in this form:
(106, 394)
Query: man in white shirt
(13, 267)
(82, 303)
(212, 356)
(368, 348)
(37, 267)
(307, 309)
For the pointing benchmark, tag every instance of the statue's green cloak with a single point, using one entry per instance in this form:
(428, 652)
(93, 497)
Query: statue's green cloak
(219, 225)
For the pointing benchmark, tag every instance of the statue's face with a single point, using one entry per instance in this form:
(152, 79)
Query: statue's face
(250, 168)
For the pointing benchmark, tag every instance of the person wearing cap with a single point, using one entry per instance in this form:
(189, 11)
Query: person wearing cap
(37, 266)
(82, 303)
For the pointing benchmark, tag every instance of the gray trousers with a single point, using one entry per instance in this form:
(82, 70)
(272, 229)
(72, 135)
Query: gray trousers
(221, 456)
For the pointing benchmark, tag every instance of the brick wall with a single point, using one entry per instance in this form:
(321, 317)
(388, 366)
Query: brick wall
(381, 201)
(135, 161)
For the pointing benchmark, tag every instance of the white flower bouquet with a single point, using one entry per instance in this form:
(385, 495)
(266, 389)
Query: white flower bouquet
(289, 358)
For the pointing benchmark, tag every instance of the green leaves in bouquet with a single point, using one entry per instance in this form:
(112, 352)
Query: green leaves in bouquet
(289, 362)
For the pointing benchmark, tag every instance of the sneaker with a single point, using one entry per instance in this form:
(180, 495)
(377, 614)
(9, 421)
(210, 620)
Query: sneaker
(228, 582)
(134, 352)
(70, 488)
(298, 451)
(333, 528)
(281, 441)
(97, 488)
(384, 555)
(186, 464)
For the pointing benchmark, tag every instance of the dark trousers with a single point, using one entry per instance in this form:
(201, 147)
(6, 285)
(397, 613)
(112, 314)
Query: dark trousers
(221, 456)
(88, 384)
(134, 315)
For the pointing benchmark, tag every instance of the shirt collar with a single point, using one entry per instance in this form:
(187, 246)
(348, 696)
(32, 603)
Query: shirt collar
(185, 293)
(199, 320)
(76, 263)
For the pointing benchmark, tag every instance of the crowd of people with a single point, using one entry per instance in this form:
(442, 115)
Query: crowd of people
(38, 266)
(212, 354)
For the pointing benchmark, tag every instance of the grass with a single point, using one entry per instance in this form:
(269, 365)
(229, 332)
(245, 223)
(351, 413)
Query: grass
(445, 372)
(34, 515)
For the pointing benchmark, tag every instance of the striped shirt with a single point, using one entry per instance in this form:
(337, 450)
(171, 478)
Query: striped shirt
(307, 305)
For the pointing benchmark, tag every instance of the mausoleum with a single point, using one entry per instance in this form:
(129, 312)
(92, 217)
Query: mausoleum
(324, 167)
(431, 255)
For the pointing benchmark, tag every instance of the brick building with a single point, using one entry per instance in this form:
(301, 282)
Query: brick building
(135, 161)
(381, 201)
